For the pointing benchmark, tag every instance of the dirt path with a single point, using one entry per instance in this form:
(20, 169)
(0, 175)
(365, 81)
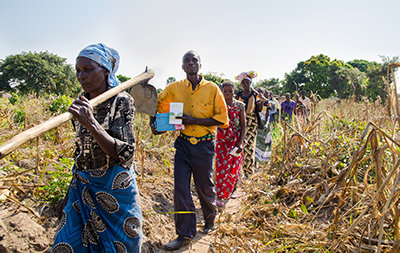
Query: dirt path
(202, 242)
(27, 234)
(22, 231)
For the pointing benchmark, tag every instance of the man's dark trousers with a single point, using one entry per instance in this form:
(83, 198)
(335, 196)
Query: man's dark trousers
(196, 159)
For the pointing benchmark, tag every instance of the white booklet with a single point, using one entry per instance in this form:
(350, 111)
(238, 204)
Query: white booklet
(175, 110)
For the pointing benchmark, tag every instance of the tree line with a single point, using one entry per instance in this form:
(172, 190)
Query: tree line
(40, 73)
(330, 78)
(326, 77)
(44, 73)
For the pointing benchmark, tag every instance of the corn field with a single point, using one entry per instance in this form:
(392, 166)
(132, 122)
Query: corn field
(331, 184)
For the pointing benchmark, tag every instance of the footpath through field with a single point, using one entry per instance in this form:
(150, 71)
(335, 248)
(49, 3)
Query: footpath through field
(202, 243)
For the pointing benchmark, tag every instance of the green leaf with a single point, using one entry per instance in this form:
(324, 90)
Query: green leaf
(310, 199)
(293, 214)
(304, 208)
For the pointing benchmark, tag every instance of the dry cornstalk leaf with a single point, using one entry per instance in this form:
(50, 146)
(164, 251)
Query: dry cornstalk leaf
(3, 226)
(20, 173)
(355, 223)
(396, 247)
(364, 133)
(385, 134)
(397, 224)
(25, 206)
(18, 188)
(4, 193)
(384, 209)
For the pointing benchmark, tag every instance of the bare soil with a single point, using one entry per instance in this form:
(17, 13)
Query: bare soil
(27, 226)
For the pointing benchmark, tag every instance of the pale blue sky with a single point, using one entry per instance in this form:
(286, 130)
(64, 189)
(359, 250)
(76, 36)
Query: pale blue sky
(270, 37)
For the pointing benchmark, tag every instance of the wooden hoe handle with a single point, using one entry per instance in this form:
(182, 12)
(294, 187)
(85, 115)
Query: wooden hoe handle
(54, 122)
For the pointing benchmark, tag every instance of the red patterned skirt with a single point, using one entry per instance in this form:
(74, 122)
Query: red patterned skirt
(227, 166)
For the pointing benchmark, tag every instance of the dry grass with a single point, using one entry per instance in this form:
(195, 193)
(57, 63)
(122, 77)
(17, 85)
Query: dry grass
(331, 186)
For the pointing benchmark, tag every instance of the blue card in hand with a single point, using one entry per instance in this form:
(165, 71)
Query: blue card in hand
(162, 122)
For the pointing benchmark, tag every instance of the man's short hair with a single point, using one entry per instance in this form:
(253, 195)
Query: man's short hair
(192, 52)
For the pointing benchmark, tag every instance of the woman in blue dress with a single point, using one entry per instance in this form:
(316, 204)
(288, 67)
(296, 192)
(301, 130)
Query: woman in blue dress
(102, 213)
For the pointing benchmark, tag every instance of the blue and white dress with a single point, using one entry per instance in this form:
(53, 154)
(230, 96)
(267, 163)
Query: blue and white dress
(103, 213)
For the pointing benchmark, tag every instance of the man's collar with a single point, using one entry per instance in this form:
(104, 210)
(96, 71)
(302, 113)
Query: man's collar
(189, 84)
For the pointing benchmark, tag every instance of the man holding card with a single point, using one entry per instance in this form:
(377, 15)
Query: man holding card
(204, 108)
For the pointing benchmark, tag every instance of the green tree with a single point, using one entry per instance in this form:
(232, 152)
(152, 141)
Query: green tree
(319, 71)
(375, 85)
(317, 74)
(171, 79)
(295, 80)
(38, 73)
(123, 78)
(214, 77)
(386, 60)
(348, 81)
(362, 65)
(273, 85)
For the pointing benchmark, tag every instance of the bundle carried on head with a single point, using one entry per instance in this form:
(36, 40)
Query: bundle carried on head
(248, 74)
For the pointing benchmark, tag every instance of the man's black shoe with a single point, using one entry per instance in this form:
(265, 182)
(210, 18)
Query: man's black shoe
(177, 243)
(208, 227)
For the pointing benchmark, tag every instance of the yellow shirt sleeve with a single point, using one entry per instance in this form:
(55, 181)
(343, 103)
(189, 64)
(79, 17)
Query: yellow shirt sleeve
(164, 99)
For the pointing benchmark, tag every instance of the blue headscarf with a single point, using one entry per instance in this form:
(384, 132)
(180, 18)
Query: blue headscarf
(106, 57)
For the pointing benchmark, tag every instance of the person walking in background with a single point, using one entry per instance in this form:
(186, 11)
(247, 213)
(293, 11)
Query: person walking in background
(102, 213)
(253, 105)
(300, 108)
(227, 165)
(280, 100)
(274, 109)
(264, 138)
(287, 106)
(306, 102)
(263, 96)
(204, 108)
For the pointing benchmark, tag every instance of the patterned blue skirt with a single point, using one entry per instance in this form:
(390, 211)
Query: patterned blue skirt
(102, 213)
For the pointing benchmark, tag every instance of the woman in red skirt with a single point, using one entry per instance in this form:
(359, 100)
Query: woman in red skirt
(229, 146)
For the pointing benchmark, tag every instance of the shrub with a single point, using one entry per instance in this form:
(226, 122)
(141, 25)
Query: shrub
(60, 104)
(20, 116)
(57, 185)
(14, 98)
